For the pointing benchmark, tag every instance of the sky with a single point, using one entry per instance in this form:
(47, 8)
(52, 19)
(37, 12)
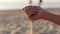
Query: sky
(22, 1)
(15, 4)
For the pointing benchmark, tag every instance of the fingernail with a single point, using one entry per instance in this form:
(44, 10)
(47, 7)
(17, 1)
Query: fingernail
(23, 9)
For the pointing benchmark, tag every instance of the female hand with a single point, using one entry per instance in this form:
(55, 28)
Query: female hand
(33, 12)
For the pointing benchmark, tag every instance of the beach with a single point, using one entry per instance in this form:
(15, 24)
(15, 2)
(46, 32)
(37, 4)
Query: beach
(15, 22)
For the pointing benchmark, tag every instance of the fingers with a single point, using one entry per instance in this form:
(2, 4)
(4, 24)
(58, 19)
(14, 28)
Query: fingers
(31, 11)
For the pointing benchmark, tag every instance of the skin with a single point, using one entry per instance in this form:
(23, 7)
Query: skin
(34, 13)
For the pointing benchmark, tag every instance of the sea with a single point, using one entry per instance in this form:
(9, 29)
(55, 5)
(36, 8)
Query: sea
(4, 6)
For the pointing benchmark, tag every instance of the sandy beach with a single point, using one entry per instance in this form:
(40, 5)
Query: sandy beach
(15, 22)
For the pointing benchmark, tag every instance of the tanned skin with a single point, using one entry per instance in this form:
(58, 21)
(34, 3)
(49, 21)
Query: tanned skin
(35, 13)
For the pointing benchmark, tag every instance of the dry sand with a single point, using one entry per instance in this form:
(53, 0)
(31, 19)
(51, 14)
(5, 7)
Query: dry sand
(14, 22)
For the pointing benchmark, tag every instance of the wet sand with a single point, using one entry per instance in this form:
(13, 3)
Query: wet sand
(15, 22)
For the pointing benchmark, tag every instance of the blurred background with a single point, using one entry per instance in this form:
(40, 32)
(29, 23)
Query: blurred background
(13, 20)
(18, 4)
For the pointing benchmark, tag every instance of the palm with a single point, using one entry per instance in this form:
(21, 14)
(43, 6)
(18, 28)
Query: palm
(33, 12)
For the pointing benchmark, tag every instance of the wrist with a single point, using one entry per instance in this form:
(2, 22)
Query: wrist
(46, 15)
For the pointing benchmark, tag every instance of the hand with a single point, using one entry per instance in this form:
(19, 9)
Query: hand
(33, 12)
